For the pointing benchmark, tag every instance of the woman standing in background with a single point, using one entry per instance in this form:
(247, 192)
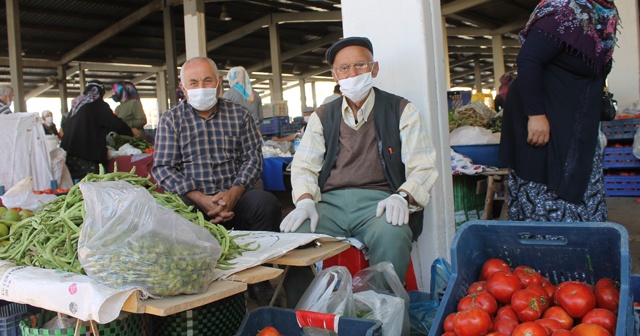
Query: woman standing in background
(552, 112)
(240, 92)
(130, 109)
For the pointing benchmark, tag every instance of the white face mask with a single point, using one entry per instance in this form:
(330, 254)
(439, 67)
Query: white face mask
(202, 99)
(306, 118)
(48, 120)
(357, 88)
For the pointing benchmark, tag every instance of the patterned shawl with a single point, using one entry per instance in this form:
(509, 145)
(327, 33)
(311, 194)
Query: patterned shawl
(126, 90)
(92, 92)
(586, 26)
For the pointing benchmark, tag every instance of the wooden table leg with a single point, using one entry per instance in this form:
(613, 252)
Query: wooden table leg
(488, 202)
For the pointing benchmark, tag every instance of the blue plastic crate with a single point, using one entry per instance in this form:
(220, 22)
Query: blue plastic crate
(488, 155)
(559, 251)
(616, 185)
(273, 125)
(620, 129)
(620, 158)
(10, 316)
(285, 321)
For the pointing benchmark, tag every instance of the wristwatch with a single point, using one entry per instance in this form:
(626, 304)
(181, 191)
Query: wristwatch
(404, 195)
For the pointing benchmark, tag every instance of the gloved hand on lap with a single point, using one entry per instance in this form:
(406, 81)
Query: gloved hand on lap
(396, 208)
(305, 209)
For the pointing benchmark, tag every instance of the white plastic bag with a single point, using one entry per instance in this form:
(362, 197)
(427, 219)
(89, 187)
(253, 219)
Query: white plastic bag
(329, 292)
(379, 294)
(471, 135)
(636, 144)
(128, 240)
(26, 199)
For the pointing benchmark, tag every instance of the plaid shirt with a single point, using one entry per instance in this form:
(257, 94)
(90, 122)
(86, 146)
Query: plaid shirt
(209, 155)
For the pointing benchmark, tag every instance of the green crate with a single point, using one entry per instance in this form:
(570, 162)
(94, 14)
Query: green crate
(468, 204)
(220, 318)
(126, 325)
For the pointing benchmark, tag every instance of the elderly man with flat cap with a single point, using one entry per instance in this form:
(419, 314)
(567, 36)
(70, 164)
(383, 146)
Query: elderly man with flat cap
(364, 168)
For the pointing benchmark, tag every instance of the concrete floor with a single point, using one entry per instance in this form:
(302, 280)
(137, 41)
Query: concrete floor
(626, 211)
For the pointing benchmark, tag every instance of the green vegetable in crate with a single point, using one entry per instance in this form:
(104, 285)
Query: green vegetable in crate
(128, 240)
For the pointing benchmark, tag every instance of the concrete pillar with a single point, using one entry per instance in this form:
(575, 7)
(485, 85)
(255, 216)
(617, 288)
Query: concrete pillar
(161, 93)
(276, 70)
(447, 69)
(409, 47)
(498, 60)
(303, 93)
(313, 94)
(15, 56)
(171, 74)
(624, 79)
(62, 88)
(477, 74)
(195, 34)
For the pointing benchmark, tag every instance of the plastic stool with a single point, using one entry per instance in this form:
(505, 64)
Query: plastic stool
(353, 259)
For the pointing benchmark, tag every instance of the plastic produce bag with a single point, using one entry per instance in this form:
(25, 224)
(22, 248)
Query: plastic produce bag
(636, 144)
(379, 294)
(329, 292)
(422, 311)
(440, 274)
(128, 240)
(471, 135)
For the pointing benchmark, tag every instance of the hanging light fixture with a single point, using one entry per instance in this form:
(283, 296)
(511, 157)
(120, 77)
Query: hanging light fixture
(296, 70)
(224, 15)
(228, 65)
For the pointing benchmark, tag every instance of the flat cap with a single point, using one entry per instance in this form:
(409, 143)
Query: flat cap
(331, 53)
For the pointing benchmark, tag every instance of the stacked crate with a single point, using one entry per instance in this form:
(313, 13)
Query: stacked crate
(621, 167)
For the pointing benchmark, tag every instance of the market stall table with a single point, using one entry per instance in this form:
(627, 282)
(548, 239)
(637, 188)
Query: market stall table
(496, 183)
(141, 162)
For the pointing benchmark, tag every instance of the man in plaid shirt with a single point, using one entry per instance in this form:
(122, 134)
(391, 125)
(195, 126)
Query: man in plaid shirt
(209, 152)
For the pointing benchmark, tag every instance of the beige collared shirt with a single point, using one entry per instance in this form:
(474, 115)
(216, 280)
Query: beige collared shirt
(418, 153)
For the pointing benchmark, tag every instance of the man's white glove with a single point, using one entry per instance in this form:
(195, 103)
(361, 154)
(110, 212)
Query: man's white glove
(305, 208)
(396, 208)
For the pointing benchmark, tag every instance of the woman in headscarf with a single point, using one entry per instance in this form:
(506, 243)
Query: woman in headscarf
(552, 112)
(240, 92)
(505, 82)
(130, 109)
(48, 125)
(85, 131)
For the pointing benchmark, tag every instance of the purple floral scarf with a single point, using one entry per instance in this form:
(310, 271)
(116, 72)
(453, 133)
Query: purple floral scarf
(587, 26)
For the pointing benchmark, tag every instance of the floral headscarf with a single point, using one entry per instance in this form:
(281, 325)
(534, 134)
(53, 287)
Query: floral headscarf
(239, 79)
(125, 91)
(579, 23)
(92, 92)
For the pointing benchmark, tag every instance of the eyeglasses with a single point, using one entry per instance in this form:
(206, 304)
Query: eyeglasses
(359, 66)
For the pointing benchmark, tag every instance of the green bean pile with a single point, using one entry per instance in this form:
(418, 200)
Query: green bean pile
(49, 239)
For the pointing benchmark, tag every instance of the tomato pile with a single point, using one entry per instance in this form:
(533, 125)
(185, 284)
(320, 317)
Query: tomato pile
(51, 191)
(521, 302)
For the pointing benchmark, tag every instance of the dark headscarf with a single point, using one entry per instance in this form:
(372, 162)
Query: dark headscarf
(123, 91)
(579, 23)
(92, 92)
(505, 82)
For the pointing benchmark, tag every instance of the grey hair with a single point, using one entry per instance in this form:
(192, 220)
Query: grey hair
(45, 113)
(5, 90)
(199, 58)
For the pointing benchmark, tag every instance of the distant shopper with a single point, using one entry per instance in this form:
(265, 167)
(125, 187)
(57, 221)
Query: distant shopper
(85, 131)
(242, 93)
(48, 125)
(130, 109)
(505, 82)
(6, 96)
(552, 113)
(336, 94)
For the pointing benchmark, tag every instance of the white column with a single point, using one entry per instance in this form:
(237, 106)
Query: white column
(62, 87)
(624, 79)
(195, 35)
(477, 74)
(303, 93)
(409, 47)
(171, 75)
(161, 94)
(498, 60)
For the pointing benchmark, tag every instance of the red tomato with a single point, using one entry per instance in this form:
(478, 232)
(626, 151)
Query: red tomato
(602, 317)
(448, 322)
(564, 283)
(562, 332)
(545, 301)
(526, 303)
(449, 333)
(268, 331)
(607, 297)
(502, 285)
(477, 287)
(493, 265)
(37, 192)
(482, 300)
(559, 314)
(576, 298)
(546, 282)
(528, 276)
(506, 312)
(496, 333)
(549, 324)
(589, 329)
(472, 322)
(505, 325)
(529, 329)
(551, 291)
(605, 282)
(47, 191)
